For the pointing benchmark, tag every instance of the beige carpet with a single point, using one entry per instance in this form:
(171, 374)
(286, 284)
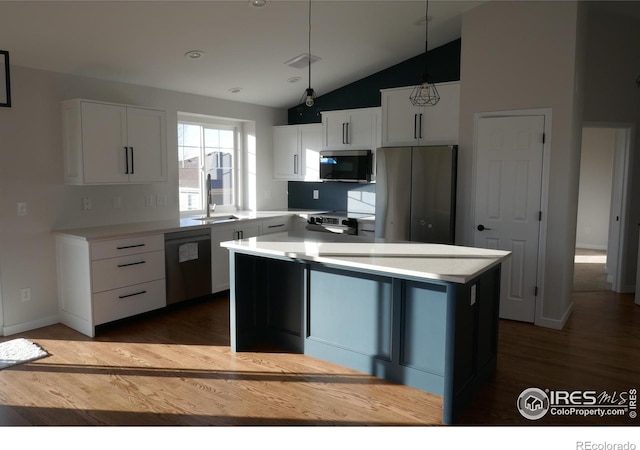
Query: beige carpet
(589, 274)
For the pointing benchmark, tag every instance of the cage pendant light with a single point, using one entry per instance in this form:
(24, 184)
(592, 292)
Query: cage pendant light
(309, 94)
(425, 94)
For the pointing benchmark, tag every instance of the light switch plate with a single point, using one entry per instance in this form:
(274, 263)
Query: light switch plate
(316, 194)
(22, 208)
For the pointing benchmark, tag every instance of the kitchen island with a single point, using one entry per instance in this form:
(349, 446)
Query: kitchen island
(423, 315)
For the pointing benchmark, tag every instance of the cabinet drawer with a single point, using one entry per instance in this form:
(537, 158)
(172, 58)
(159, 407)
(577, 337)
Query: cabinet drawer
(126, 246)
(113, 273)
(120, 303)
(275, 224)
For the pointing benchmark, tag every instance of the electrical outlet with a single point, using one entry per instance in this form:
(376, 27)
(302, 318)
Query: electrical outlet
(86, 203)
(161, 200)
(22, 208)
(473, 295)
(149, 201)
(316, 194)
(25, 294)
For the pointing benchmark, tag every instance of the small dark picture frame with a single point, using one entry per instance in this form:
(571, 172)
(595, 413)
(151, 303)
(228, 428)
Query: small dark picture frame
(5, 86)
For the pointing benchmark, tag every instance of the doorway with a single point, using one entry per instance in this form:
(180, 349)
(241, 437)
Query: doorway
(598, 262)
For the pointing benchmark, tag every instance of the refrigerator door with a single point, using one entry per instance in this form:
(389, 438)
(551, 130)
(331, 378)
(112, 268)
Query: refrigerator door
(393, 193)
(433, 194)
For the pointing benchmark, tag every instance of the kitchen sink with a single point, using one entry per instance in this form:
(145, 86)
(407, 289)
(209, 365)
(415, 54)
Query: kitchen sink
(217, 219)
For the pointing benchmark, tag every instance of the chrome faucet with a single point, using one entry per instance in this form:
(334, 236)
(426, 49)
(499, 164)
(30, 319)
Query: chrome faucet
(208, 195)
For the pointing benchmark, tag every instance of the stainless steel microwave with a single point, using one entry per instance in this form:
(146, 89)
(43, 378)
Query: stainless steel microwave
(346, 165)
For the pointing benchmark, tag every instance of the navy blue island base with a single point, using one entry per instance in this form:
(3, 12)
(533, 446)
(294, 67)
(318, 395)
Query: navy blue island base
(437, 336)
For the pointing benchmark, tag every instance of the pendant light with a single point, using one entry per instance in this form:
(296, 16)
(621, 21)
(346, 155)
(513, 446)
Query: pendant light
(425, 94)
(309, 94)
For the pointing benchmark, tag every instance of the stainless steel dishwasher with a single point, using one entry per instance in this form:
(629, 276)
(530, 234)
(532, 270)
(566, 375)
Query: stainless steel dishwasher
(187, 264)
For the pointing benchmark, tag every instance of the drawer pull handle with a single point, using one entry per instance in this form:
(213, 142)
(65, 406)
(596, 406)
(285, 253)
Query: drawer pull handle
(132, 264)
(132, 295)
(130, 246)
(276, 226)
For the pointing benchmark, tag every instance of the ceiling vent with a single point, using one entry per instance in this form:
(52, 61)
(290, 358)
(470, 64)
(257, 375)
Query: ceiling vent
(302, 61)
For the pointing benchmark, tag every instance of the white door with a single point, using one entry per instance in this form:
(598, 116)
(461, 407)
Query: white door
(507, 208)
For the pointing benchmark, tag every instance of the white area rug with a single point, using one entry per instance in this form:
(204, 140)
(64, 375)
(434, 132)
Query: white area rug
(18, 351)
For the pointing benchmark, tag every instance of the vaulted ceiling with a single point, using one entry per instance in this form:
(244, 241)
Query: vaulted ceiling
(243, 46)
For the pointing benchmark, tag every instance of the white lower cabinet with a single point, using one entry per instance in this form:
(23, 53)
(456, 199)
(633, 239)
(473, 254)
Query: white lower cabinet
(220, 255)
(103, 281)
(278, 224)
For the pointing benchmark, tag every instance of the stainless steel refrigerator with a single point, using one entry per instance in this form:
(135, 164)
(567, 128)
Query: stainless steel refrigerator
(416, 193)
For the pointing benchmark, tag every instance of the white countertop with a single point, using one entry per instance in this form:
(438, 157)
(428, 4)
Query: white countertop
(124, 230)
(449, 263)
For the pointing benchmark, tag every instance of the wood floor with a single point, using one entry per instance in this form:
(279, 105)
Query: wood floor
(176, 368)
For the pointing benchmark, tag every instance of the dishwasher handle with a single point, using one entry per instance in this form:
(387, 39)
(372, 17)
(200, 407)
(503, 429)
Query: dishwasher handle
(187, 240)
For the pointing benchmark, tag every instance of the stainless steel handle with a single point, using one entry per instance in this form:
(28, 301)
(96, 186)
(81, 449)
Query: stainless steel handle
(132, 264)
(132, 295)
(482, 228)
(276, 226)
(347, 140)
(295, 164)
(415, 126)
(132, 159)
(343, 141)
(420, 126)
(126, 160)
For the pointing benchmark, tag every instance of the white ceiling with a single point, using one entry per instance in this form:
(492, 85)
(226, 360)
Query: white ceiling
(144, 42)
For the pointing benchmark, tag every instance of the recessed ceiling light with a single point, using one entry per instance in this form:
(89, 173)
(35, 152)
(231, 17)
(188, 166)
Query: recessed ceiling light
(257, 3)
(194, 54)
(234, 90)
(294, 79)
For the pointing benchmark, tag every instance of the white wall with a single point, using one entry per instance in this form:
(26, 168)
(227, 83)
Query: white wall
(525, 55)
(613, 65)
(31, 171)
(594, 200)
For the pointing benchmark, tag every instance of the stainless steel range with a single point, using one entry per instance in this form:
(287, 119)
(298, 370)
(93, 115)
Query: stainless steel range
(339, 222)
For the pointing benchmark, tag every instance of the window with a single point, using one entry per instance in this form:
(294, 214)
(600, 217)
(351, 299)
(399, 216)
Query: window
(207, 149)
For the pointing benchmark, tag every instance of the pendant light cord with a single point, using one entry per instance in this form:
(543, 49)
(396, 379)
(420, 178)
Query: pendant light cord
(426, 43)
(309, 54)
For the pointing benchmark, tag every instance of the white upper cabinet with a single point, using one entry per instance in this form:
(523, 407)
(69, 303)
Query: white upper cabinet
(296, 150)
(405, 124)
(106, 143)
(357, 129)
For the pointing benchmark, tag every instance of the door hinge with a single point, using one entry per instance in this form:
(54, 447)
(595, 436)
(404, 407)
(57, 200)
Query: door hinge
(535, 291)
(539, 216)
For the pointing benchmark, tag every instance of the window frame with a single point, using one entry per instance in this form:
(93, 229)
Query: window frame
(216, 123)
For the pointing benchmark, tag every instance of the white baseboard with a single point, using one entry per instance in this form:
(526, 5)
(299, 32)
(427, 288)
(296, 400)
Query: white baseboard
(591, 246)
(28, 326)
(556, 324)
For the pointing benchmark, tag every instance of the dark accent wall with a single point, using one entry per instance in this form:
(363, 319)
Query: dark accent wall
(333, 196)
(444, 65)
